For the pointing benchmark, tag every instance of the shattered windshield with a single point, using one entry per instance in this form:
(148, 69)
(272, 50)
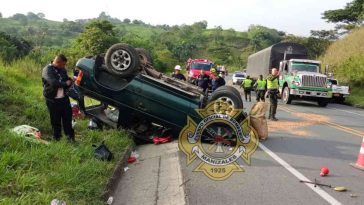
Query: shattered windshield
(305, 67)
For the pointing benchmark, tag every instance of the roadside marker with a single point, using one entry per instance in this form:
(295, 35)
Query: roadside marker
(300, 176)
(360, 162)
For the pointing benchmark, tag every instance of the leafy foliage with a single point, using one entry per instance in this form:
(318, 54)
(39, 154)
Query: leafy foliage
(12, 47)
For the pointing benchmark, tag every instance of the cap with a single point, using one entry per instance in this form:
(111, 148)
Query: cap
(177, 67)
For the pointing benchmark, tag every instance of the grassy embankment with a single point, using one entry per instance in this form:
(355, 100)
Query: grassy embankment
(33, 173)
(346, 60)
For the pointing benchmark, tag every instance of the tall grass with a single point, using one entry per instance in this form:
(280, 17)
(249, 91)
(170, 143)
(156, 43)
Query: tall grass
(35, 173)
(346, 59)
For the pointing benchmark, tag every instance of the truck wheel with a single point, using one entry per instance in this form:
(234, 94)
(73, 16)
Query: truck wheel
(226, 97)
(144, 56)
(122, 60)
(232, 89)
(286, 97)
(322, 102)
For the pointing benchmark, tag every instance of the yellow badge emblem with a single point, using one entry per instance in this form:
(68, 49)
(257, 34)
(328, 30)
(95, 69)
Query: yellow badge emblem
(220, 140)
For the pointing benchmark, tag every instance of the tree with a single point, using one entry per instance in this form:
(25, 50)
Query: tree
(12, 47)
(41, 15)
(126, 20)
(351, 16)
(262, 37)
(98, 36)
(330, 35)
(1, 15)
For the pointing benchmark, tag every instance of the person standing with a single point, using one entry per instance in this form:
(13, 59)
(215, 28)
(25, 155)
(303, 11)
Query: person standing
(55, 82)
(203, 80)
(247, 85)
(177, 73)
(217, 81)
(273, 85)
(260, 86)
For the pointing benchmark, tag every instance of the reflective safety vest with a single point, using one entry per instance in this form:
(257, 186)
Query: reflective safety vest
(261, 84)
(248, 83)
(272, 84)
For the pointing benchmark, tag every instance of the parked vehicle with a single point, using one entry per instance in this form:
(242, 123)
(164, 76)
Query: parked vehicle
(339, 92)
(299, 78)
(238, 77)
(194, 67)
(146, 99)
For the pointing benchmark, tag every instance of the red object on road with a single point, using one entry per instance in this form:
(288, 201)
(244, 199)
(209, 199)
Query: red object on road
(161, 140)
(131, 160)
(324, 171)
(360, 162)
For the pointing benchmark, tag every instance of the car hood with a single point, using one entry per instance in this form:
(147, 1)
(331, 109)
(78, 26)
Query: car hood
(301, 73)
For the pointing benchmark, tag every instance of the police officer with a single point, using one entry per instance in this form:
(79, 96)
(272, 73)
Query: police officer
(55, 82)
(177, 73)
(247, 85)
(203, 80)
(272, 85)
(260, 86)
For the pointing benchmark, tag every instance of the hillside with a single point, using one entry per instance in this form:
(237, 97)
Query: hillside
(35, 173)
(346, 60)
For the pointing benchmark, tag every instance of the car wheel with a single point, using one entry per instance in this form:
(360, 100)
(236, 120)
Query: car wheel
(322, 102)
(122, 60)
(144, 56)
(225, 101)
(286, 97)
(232, 89)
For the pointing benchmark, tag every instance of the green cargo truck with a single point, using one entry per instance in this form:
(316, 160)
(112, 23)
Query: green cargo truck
(300, 78)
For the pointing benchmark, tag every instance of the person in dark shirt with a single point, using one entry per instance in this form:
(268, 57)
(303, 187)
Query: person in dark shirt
(55, 82)
(177, 73)
(203, 80)
(217, 81)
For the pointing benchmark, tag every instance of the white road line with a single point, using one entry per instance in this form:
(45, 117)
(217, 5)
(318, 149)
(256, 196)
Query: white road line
(300, 176)
(347, 111)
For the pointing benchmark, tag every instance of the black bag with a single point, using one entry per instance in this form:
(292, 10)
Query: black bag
(73, 92)
(102, 152)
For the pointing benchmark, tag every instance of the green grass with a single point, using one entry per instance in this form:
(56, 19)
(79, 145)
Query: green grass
(356, 97)
(32, 173)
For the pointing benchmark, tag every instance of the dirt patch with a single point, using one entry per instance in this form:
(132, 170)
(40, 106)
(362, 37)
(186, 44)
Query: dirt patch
(298, 128)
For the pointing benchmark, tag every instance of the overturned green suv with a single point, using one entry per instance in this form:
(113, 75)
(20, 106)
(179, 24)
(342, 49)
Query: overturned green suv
(146, 100)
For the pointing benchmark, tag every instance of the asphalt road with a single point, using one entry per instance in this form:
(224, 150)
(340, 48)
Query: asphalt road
(305, 138)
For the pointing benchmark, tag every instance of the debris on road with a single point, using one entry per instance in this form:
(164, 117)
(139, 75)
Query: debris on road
(324, 171)
(131, 160)
(126, 169)
(110, 200)
(161, 140)
(315, 183)
(340, 188)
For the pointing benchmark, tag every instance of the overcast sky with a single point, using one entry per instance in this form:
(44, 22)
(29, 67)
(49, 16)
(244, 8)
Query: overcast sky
(292, 16)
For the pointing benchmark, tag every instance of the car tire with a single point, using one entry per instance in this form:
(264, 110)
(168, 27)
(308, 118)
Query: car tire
(228, 96)
(122, 60)
(144, 56)
(286, 97)
(322, 102)
(232, 89)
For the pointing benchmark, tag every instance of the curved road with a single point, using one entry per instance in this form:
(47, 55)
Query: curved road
(305, 138)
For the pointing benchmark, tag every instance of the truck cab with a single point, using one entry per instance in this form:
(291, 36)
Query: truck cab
(301, 79)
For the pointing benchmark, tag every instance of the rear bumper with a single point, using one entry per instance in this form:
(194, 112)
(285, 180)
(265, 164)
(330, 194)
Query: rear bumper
(310, 93)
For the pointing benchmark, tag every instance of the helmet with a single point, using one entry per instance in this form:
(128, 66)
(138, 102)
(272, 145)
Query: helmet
(177, 67)
(213, 70)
